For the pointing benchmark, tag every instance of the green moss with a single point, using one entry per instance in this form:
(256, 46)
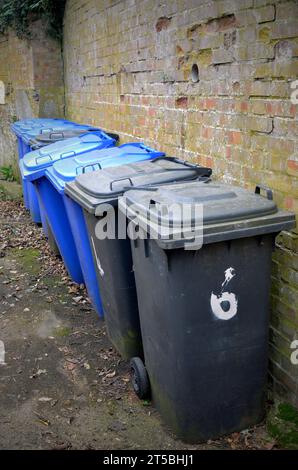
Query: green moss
(288, 413)
(29, 259)
(10, 191)
(3, 193)
(128, 344)
(264, 34)
(282, 425)
(62, 331)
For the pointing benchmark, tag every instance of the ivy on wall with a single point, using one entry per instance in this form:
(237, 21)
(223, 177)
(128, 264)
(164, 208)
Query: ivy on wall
(19, 14)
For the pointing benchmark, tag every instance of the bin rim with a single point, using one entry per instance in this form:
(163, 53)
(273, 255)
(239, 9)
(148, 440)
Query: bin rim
(165, 173)
(37, 161)
(63, 172)
(269, 219)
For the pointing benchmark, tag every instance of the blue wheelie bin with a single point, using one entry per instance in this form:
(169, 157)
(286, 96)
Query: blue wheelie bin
(66, 217)
(36, 161)
(46, 138)
(28, 130)
(20, 128)
(50, 134)
(33, 167)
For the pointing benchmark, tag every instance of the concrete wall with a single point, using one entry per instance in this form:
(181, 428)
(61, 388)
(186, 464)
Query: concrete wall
(128, 69)
(32, 74)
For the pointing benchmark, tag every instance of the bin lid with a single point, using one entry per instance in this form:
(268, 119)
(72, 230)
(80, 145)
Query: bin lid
(61, 134)
(107, 185)
(33, 127)
(39, 132)
(67, 170)
(215, 210)
(36, 161)
(21, 127)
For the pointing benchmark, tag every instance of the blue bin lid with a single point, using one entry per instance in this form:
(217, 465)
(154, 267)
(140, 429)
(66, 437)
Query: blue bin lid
(31, 133)
(24, 125)
(67, 170)
(33, 164)
(36, 125)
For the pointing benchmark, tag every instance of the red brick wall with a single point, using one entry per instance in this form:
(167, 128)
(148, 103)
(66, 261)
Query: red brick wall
(128, 69)
(32, 73)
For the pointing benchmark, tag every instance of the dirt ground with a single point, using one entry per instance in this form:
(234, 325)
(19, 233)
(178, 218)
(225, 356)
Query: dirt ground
(63, 386)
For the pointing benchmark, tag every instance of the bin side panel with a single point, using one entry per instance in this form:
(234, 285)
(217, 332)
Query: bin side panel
(58, 221)
(204, 319)
(33, 203)
(80, 235)
(113, 262)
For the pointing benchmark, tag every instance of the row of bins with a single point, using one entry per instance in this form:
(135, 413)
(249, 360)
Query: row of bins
(33, 134)
(178, 264)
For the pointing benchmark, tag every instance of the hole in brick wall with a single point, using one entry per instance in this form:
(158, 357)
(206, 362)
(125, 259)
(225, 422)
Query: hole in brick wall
(195, 76)
(182, 102)
(162, 23)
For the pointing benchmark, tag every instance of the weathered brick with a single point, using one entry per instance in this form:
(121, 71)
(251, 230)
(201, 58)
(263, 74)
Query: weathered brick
(261, 124)
(221, 56)
(284, 9)
(254, 51)
(264, 14)
(285, 29)
(292, 167)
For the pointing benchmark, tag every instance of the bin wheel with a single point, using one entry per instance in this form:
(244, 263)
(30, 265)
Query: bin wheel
(139, 378)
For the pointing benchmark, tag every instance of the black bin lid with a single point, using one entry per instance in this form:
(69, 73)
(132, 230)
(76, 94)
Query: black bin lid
(223, 212)
(105, 186)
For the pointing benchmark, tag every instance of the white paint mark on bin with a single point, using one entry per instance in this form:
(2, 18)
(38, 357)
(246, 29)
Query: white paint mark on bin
(225, 305)
(101, 271)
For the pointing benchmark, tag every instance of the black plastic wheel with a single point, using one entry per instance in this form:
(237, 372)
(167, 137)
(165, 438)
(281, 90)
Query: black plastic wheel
(139, 378)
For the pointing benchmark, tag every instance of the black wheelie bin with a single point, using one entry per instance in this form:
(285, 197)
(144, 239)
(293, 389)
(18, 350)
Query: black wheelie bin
(97, 193)
(203, 296)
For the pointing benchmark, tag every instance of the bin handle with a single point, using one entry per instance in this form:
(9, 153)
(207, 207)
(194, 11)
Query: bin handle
(35, 147)
(267, 190)
(47, 155)
(173, 159)
(72, 153)
(201, 179)
(199, 169)
(46, 130)
(146, 148)
(91, 165)
(120, 179)
(56, 133)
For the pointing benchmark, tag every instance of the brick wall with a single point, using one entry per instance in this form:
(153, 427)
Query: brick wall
(32, 73)
(128, 69)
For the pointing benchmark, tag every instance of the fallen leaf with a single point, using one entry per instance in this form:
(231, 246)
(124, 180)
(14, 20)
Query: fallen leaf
(42, 420)
(111, 375)
(38, 373)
